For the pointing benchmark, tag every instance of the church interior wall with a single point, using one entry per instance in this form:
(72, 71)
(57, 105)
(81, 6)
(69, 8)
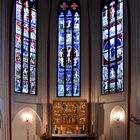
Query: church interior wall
(101, 106)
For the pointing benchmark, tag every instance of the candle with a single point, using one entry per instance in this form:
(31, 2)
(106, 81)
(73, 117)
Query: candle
(83, 127)
(77, 127)
(92, 122)
(55, 127)
(61, 128)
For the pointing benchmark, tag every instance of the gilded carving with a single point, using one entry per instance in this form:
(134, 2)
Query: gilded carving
(69, 116)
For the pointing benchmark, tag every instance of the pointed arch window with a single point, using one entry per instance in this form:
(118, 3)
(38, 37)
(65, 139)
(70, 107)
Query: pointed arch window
(68, 83)
(26, 46)
(112, 47)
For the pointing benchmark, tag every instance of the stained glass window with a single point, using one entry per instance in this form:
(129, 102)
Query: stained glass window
(68, 48)
(112, 47)
(25, 46)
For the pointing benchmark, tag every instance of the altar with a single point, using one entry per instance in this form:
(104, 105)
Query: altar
(72, 137)
(69, 120)
(69, 117)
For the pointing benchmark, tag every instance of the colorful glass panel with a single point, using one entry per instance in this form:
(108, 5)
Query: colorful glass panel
(25, 46)
(112, 47)
(68, 48)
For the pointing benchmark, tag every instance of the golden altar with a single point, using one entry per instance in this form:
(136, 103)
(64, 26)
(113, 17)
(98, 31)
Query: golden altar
(69, 117)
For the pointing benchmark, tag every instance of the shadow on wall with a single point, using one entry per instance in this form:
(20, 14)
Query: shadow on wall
(26, 125)
(100, 120)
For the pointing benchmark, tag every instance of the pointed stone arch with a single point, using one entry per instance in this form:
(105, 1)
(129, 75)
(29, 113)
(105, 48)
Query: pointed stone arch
(22, 128)
(117, 122)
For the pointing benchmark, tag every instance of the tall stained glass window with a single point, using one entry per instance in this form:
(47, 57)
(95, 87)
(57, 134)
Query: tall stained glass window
(68, 48)
(25, 46)
(112, 47)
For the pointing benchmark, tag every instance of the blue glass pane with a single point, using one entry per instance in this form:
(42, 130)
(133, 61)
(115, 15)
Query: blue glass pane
(18, 70)
(26, 30)
(61, 24)
(32, 87)
(32, 59)
(69, 23)
(76, 90)
(105, 86)
(120, 10)
(69, 57)
(18, 27)
(17, 55)
(18, 1)
(69, 37)
(17, 85)
(25, 87)
(26, 15)
(120, 84)
(69, 14)
(76, 38)
(61, 37)
(120, 69)
(120, 26)
(18, 12)
(61, 58)
(68, 75)
(76, 54)
(33, 46)
(112, 12)
(105, 33)
(60, 90)
(105, 73)
(113, 71)
(105, 16)
(25, 71)
(112, 86)
(76, 22)
(112, 30)
(33, 18)
(61, 76)
(32, 72)
(68, 89)
(18, 41)
(33, 33)
(76, 75)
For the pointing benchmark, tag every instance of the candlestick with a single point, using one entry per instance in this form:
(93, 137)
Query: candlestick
(92, 131)
(46, 127)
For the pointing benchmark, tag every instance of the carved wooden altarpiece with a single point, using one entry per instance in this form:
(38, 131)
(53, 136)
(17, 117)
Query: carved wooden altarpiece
(69, 117)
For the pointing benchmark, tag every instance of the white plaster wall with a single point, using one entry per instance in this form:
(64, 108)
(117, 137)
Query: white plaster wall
(135, 67)
(5, 10)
